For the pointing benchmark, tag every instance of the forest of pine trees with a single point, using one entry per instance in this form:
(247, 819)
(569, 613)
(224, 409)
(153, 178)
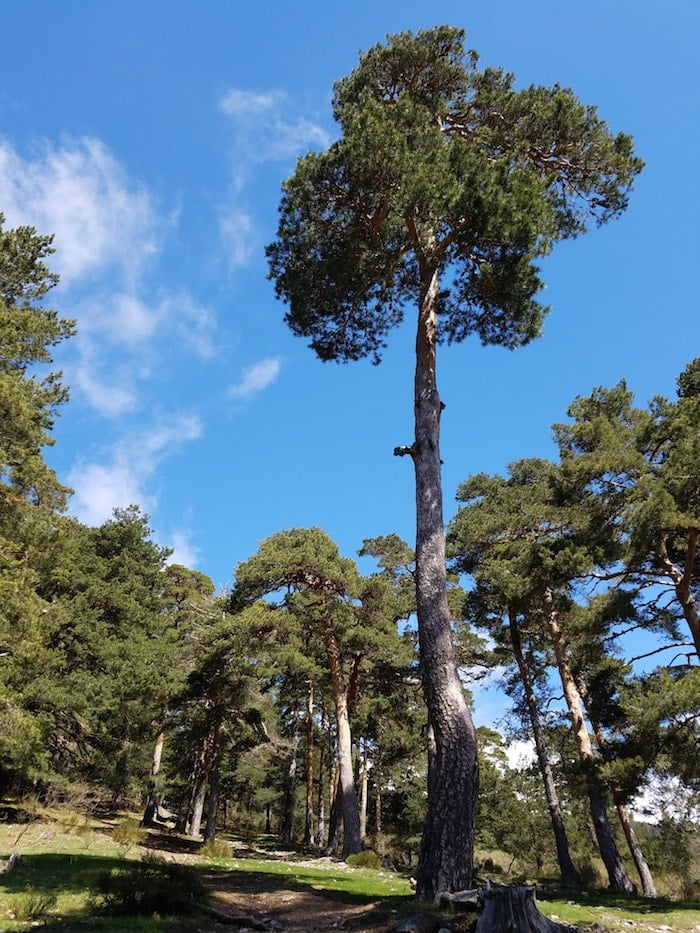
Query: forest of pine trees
(291, 704)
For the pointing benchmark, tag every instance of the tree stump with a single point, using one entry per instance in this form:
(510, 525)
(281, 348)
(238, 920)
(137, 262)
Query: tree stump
(514, 909)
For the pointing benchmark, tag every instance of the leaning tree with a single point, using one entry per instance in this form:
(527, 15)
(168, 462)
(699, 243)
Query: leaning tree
(445, 187)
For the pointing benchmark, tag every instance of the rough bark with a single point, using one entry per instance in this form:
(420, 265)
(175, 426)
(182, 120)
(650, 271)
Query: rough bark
(514, 909)
(351, 816)
(569, 874)
(617, 873)
(198, 798)
(212, 804)
(208, 762)
(447, 846)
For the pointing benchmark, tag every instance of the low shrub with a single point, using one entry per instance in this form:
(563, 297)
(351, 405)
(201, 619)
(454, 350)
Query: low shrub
(127, 834)
(31, 904)
(216, 848)
(149, 887)
(365, 859)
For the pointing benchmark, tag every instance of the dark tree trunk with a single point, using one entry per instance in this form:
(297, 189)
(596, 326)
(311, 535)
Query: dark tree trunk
(151, 810)
(290, 791)
(212, 804)
(208, 763)
(198, 798)
(569, 875)
(447, 846)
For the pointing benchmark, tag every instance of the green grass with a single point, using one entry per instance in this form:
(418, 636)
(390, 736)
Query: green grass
(64, 857)
(617, 913)
(360, 883)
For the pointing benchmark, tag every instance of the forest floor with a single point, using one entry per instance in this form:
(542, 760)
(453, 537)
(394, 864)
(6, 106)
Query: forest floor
(285, 892)
(266, 889)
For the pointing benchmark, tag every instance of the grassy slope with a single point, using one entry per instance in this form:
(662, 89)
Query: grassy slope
(63, 855)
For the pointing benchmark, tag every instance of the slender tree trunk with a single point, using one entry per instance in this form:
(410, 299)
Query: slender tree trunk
(198, 798)
(208, 762)
(378, 807)
(151, 810)
(641, 864)
(290, 790)
(309, 762)
(619, 880)
(157, 753)
(212, 804)
(569, 875)
(447, 846)
(364, 780)
(351, 816)
(336, 805)
(321, 826)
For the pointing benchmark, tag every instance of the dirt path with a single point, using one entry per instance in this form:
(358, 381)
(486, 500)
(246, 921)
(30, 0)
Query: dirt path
(293, 907)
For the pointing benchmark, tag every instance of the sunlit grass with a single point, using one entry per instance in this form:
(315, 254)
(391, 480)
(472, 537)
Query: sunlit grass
(63, 854)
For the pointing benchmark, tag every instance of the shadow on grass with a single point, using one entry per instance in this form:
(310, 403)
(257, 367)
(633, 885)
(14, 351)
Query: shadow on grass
(58, 872)
(625, 904)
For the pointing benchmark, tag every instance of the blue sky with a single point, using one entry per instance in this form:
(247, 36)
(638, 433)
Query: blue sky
(152, 139)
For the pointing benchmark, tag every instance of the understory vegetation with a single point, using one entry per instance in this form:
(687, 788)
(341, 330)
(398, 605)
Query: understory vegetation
(74, 874)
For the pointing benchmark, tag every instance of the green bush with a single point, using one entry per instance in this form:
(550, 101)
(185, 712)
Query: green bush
(31, 904)
(365, 859)
(149, 887)
(127, 834)
(216, 848)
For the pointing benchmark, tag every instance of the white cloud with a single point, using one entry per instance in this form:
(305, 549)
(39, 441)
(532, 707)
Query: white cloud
(80, 192)
(244, 103)
(266, 127)
(184, 552)
(123, 477)
(112, 398)
(240, 240)
(256, 378)
(100, 488)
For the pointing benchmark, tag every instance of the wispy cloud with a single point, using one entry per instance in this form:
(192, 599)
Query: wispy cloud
(184, 552)
(122, 476)
(240, 239)
(266, 126)
(80, 192)
(256, 378)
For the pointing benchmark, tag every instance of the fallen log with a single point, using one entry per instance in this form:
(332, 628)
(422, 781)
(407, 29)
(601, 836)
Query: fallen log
(235, 919)
(513, 909)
